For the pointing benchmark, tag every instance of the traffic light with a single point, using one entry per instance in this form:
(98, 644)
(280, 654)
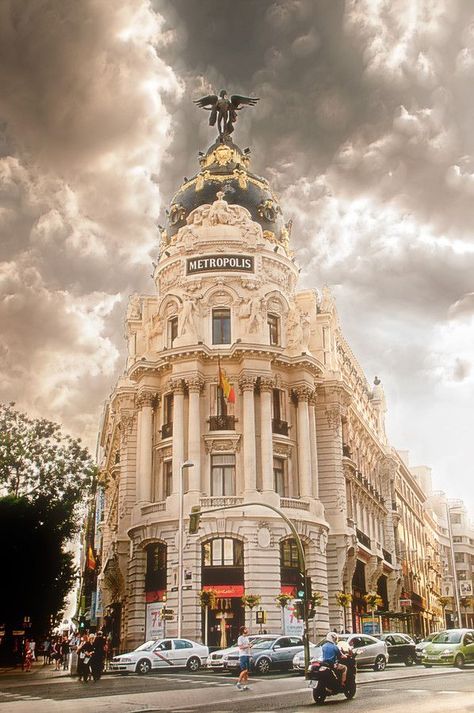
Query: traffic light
(194, 519)
(298, 608)
(82, 623)
(303, 592)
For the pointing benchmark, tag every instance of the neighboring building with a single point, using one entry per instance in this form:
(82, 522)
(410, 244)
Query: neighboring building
(463, 545)
(305, 432)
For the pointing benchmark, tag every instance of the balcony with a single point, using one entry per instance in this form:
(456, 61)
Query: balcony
(280, 427)
(363, 538)
(387, 556)
(153, 507)
(167, 430)
(222, 423)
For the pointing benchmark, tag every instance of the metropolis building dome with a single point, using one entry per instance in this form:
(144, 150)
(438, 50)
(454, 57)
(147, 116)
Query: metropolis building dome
(239, 393)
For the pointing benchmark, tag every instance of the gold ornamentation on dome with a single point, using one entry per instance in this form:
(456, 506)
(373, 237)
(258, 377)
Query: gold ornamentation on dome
(177, 213)
(268, 210)
(269, 235)
(201, 179)
(223, 155)
(242, 178)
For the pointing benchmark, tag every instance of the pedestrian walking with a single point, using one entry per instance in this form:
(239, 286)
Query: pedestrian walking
(27, 657)
(46, 651)
(33, 649)
(56, 655)
(65, 650)
(243, 644)
(98, 656)
(84, 653)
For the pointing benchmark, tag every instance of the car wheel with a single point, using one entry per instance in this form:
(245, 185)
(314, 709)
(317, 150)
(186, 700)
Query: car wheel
(193, 664)
(409, 661)
(459, 661)
(263, 665)
(380, 663)
(143, 667)
(427, 665)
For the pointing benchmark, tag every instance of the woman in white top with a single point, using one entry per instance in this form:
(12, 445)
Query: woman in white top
(243, 643)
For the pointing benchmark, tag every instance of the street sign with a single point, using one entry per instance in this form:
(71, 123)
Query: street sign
(167, 617)
(261, 617)
(405, 602)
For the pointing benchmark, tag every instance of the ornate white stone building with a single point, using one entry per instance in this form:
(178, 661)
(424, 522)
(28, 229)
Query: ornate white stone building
(305, 434)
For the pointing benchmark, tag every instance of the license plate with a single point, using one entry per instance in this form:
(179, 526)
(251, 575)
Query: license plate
(313, 684)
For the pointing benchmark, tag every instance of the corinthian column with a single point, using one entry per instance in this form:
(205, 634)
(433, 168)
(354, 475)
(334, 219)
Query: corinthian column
(313, 442)
(266, 388)
(195, 386)
(177, 386)
(247, 385)
(303, 394)
(145, 403)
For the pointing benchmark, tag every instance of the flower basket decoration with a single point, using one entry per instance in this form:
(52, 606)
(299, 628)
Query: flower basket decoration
(344, 599)
(282, 600)
(207, 598)
(251, 600)
(373, 600)
(444, 601)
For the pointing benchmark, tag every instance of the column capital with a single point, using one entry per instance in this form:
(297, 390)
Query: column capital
(195, 384)
(266, 383)
(146, 397)
(247, 382)
(303, 392)
(177, 385)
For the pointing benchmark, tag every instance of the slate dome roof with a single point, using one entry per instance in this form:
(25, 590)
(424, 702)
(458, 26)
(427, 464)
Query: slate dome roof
(224, 167)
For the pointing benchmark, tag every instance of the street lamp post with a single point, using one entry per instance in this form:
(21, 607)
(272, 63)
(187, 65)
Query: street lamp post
(186, 464)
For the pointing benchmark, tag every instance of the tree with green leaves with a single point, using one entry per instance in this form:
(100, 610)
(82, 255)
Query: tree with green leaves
(44, 478)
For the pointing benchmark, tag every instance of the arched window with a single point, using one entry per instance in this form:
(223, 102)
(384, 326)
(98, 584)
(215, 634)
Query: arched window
(155, 578)
(223, 552)
(289, 565)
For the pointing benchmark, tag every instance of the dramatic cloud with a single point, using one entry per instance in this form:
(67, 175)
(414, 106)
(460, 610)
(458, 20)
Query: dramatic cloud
(364, 129)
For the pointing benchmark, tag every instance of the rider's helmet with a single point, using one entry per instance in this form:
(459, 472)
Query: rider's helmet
(332, 636)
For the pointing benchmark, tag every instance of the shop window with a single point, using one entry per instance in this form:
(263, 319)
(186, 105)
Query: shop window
(279, 476)
(223, 552)
(221, 326)
(223, 475)
(273, 322)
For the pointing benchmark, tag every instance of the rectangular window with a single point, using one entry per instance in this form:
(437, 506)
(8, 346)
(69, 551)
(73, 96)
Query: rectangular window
(279, 476)
(221, 326)
(274, 329)
(172, 331)
(276, 404)
(167, 477)
(223, 475)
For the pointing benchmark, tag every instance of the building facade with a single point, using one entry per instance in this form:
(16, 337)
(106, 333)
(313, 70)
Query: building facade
(234, 370)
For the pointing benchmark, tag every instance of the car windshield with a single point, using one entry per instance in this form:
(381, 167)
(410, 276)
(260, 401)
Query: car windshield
(147, 646)
(447, 637)
(264, 644)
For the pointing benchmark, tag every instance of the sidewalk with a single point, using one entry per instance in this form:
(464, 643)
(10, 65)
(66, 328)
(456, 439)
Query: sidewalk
(38, 671)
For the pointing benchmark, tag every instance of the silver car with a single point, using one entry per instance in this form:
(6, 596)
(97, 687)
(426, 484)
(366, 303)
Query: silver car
(218, 660)
(370, 652)
(277, 654)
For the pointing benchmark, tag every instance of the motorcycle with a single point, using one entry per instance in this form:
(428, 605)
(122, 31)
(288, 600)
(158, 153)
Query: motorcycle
(325, 679)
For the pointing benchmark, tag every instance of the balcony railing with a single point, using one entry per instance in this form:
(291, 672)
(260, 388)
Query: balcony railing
(387, 556)
(363, 538)
(153, 507)
(294, 503)
(218, 501)
(167, 430)
(222, 423)
(280, 427)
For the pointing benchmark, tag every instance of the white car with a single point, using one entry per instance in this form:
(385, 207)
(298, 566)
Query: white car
(162, 654)
(370, 651)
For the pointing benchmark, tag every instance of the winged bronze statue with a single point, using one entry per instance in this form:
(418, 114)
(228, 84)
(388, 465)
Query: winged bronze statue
(224, 110)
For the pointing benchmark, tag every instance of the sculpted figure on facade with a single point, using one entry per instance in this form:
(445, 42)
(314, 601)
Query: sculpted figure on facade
(189, 318)
(153, 328)
(220, 213)
(134, 309)
(294, 331)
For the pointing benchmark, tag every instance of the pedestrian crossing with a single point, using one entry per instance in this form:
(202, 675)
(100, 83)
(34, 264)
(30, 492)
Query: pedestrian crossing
(18, 696)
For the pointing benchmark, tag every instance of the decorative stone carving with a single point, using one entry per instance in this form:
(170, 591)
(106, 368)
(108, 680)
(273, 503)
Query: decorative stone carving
(303, 392)
(219, 213)
(253, 309)
(170, 276)
(153, 328)
(230, 444)
(176, 385)
(247, 382)
(266, 383)
(134, 309)
(323, 541)
(165, 453)
(333, 416)
(264, 536)
(327, 303)
(195, 383)
(127, 419)
(177, 213)
(282, 449)
(147, 398)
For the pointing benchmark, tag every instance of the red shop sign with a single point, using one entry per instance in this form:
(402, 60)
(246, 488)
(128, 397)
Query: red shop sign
(226, 590)
(155, 596)
(288, 589)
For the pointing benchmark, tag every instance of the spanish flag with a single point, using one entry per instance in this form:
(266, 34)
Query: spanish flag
(227, 388)
(91, 561)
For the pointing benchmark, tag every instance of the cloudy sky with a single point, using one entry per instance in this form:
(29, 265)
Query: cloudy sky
(364, 128)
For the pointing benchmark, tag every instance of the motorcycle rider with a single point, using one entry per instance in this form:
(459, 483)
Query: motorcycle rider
(332, 655)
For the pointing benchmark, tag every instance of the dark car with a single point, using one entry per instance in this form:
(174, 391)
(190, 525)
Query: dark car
(401, 649)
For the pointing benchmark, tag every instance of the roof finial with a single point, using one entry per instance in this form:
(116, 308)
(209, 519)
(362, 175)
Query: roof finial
(224, 110)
